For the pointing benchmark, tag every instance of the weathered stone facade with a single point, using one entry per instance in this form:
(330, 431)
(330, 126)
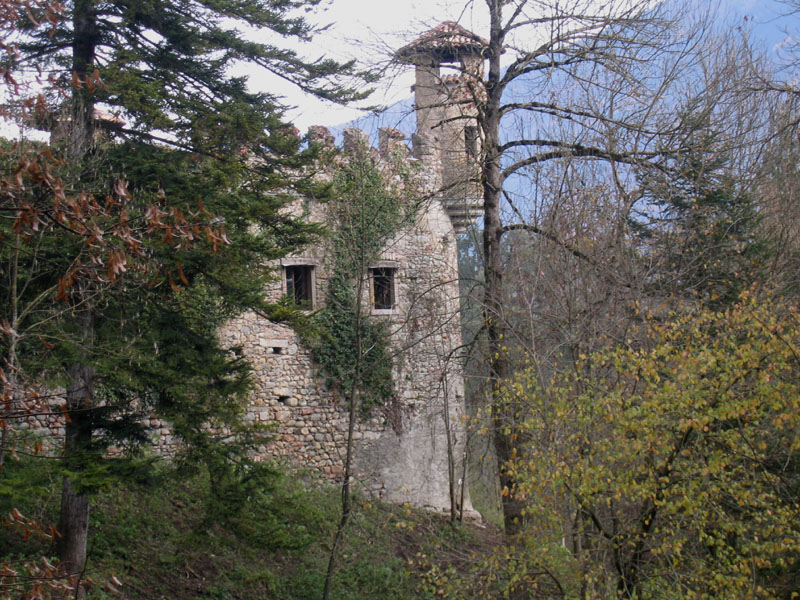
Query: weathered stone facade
(401, 449)
(410, 450)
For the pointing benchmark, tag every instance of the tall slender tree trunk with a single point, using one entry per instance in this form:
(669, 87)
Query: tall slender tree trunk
(352, 402)
(503, 417)
(451, 459)
(3, 444)
(73, 524)
(346, 492)
(12, 377)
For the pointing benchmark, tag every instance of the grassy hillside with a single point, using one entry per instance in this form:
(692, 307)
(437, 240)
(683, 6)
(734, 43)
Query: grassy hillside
(166, 538)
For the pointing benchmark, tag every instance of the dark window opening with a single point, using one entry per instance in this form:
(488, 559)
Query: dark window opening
(383, 288)
(299, 284)
(283, 399)
(471, 141)
(277, 350)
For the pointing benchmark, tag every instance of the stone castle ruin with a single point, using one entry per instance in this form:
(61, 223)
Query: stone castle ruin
(409, 451)
(412, 450)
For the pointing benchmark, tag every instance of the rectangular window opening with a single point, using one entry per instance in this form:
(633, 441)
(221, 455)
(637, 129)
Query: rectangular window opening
(471, 140)
(300, 284)
(383, 288)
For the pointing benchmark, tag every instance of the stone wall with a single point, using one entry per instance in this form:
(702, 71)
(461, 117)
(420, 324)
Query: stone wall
(401, 449)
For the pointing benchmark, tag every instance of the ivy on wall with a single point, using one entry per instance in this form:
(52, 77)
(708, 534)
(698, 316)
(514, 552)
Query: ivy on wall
(369, 204)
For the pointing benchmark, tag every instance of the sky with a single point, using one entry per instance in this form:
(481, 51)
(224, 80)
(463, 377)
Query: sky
(365, 30)
(369, 30)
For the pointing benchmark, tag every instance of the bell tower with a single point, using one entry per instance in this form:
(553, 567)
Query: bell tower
(449, 82)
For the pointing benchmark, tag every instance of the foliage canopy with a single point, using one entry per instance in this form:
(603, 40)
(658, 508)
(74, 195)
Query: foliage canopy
(671, 470)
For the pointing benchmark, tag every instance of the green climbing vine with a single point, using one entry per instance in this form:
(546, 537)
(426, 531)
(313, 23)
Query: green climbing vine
(368, 206)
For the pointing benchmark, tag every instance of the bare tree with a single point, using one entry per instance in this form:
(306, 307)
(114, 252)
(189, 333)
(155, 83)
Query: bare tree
(589, 88)
(580, 100)
(365, 212)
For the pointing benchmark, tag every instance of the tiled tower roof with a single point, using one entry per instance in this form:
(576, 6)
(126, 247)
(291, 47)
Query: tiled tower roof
(446, 42)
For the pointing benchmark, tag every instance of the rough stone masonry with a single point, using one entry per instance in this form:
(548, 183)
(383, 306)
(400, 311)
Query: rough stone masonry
(402, 451)
(412, 450)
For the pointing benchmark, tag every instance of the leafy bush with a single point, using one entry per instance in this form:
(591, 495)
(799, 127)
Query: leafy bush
(670, 471)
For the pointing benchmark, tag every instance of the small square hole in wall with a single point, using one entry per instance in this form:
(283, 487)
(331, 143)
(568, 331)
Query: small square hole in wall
(277, 350)
(283, 399)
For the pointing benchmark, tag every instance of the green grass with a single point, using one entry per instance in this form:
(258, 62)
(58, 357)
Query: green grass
(166, 540)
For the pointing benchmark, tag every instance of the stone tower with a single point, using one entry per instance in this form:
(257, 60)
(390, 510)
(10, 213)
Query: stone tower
(449, 61)
(412, 449)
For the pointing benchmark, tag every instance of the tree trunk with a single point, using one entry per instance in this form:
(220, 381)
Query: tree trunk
(352, 401)
(84, 47)
(502, 414)
(11, 374)
(73, 524)
(3, 444)
(451, 459)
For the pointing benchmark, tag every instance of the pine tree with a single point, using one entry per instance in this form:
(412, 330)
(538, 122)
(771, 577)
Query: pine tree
(129, 253)
(164, 66)
(702, 228)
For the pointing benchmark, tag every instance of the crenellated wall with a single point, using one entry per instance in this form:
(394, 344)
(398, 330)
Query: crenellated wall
(401, 449)
(408, 449)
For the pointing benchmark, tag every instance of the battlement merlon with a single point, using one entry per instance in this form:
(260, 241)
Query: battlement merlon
(391, 141)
